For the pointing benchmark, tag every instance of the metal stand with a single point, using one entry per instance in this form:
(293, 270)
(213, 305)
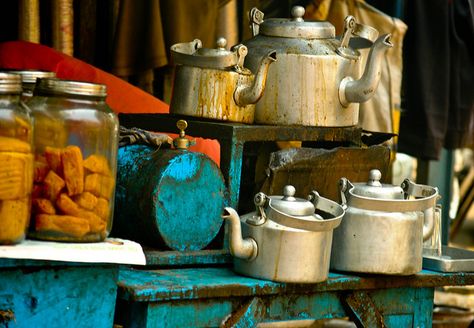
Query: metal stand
(233, 136)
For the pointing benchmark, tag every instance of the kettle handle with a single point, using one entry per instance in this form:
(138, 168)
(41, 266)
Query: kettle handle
(344, 187)
(366, 36)
(255, 18)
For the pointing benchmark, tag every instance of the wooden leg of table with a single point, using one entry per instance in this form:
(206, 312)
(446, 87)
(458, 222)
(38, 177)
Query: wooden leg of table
(363, 309)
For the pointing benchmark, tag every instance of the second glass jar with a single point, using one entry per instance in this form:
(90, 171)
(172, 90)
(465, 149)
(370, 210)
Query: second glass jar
(76, 139)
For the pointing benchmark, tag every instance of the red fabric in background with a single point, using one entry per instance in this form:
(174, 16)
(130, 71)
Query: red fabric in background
(122, 96)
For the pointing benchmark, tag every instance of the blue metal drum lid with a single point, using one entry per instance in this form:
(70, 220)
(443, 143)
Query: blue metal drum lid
(188, 200)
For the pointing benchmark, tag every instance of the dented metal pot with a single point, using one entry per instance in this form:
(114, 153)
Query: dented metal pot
(316, 81)
(213, 83)
(384, 226)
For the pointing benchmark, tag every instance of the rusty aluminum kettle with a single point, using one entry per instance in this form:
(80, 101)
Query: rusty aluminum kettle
(316, 79)
(213, 83)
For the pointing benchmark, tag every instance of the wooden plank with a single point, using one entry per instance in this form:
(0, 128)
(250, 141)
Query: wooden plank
(197, 283)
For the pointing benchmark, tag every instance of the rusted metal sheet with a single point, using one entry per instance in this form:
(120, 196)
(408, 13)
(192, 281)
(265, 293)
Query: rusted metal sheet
(310, 169)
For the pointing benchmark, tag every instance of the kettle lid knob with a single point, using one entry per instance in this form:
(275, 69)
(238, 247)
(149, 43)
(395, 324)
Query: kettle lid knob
(221, 43)
(289, 193)
(374, 178)
(297, 12)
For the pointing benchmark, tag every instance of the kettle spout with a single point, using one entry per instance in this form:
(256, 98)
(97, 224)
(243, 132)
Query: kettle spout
(359, 91)
(250, 94)
(241, 248)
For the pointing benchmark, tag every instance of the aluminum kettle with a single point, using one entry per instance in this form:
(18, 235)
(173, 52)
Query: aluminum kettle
(384, 226)
(214, 84)
(286, 239)
(316, 81)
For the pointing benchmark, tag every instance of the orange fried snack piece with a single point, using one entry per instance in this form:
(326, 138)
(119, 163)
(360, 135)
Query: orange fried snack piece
(102, 208)
(66, 224)
(41, 168)
(97, 164)
(73, 170)
(99, 185)
(43, 206)
(53, 158)
(53, 184)
(86, 200)
(68, 206)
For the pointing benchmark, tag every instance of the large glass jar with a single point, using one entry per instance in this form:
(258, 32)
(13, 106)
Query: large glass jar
(76, 140)
(16, 161)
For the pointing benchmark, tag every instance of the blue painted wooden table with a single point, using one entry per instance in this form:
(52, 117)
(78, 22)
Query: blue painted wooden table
(36, 293)
(213, 297)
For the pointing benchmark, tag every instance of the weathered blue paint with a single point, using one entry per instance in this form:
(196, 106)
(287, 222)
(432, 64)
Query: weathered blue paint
(205, 297)
(167, 198)
(208, 297)
(58, 296)
(193, 283)
(176, 258)
(423, 302)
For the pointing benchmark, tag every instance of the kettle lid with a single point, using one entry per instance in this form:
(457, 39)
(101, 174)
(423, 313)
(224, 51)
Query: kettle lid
(288, 204)
(296, 27)
(193, 54)
(374, 189)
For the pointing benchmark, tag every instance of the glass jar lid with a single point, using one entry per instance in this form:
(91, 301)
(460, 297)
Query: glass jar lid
(297, 27)
(10, 83)
(30, 76)
(374, 189)
(55, 86)
(288, 204)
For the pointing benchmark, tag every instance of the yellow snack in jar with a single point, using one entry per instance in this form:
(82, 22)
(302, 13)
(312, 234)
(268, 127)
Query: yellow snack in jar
(16, 175)
(99, 185)
(68, 206)
(86, 200)
(97, 164)
(102, 208)
(73, 170)
(53, 158)
(41, 168)
(95, 222)
(14, 145)
(43, 206)
(14, 218)
(53, 184)
(66, 224)
(23, 129)
(49, 130)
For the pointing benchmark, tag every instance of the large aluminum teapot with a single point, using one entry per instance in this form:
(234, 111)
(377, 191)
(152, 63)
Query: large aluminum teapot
(384, 226)
(286, 239)
(316, 79)
(213, 83)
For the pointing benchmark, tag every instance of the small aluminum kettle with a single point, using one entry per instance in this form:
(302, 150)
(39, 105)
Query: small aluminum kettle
(213, 83)
(384, 226)
(286, 239)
